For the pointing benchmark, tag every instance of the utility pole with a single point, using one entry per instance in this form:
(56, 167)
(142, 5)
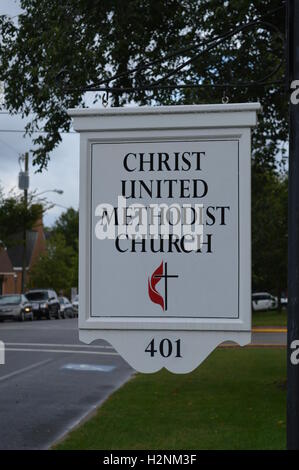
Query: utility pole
(293, 250)
(24, 260)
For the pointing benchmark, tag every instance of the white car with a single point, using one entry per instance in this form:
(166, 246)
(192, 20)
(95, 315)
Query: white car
(66, 308)
(75, 304)
(263, 301)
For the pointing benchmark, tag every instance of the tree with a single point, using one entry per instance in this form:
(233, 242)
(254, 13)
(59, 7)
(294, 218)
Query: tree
(57, 49)
(15, 216)
(67, 225)
(270, 232)
(56, 268)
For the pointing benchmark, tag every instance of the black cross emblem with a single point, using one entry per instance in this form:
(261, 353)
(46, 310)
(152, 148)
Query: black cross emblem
(165, 276)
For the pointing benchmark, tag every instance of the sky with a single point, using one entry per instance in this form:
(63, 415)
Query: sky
(63, 169)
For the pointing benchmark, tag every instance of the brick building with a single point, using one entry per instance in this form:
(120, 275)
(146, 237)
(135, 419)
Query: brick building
(11, 259)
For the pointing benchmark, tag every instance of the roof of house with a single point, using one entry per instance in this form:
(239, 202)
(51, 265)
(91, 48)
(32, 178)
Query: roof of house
(15, 252)
(5, 263)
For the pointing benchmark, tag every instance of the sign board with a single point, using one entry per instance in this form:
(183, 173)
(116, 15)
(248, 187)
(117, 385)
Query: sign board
(165, 235)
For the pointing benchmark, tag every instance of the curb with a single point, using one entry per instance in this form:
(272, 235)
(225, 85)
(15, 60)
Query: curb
(270, 329)
(253, 346)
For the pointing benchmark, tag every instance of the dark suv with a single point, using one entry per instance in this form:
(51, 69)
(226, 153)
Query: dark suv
(44, 303)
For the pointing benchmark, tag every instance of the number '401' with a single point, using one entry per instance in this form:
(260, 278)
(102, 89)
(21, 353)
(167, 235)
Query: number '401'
(166, 348)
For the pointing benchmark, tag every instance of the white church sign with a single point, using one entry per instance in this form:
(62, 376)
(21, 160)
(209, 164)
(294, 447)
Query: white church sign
(165, 271)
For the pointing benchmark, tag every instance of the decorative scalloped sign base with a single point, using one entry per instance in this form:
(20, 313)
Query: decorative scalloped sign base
(179, 352)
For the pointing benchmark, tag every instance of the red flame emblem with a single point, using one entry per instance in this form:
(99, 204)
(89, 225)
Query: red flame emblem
(152, 282)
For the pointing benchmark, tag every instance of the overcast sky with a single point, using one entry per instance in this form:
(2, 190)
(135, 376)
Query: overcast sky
(63, 169)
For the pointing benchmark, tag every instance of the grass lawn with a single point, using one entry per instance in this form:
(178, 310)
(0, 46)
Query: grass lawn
(235, 400)
(269, 318)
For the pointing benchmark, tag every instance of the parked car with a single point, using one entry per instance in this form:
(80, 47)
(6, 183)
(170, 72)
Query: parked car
(263, 301)
(76, 305)
(284, 302)
(45, 303)
(15, 307)
(66, 308)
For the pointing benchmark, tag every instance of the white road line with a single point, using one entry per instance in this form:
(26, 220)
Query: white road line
(88, 367)
(25, 369)
(100, 353)
(60, 345)
(38, 328)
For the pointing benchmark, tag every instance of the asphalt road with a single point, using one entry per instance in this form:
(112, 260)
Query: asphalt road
(50, 381)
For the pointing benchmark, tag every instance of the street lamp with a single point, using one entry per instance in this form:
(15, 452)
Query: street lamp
(57, 191)
(59, 205)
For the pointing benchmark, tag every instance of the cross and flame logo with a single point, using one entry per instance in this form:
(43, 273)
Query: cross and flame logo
(160, 273)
